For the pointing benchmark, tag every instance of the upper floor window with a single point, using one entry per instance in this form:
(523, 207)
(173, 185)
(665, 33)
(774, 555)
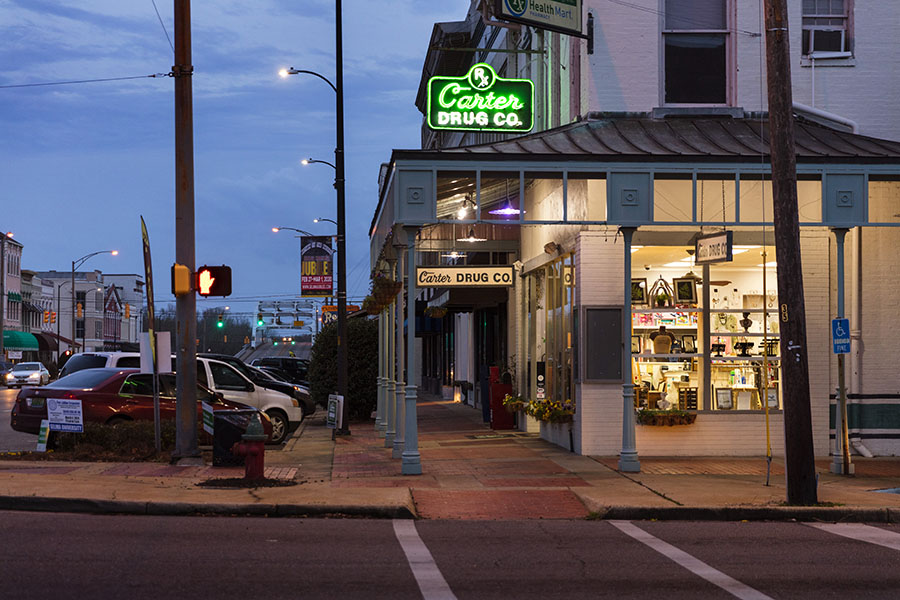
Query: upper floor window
(826, 26)
(696, 52)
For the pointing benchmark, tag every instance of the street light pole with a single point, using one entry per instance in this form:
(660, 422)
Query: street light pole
(3, 289)
(339, 184)
(75, 264)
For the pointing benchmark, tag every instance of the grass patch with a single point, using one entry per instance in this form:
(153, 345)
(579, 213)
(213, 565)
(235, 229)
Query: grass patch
(132, 441)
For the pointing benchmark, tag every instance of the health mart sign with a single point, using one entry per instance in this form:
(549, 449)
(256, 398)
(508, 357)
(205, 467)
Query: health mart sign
(556, 15)
(480, 101)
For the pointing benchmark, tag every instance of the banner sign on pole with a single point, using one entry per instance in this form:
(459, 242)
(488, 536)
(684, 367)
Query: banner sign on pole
(480, 101)
(563, 16)
(329, 312)
(316, 273)
(65, 415)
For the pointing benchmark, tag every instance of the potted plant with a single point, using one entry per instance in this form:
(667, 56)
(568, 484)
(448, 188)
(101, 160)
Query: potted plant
(662, 299)
(513, 403)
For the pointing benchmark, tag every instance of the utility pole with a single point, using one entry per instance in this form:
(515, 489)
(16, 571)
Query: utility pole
(339, 182)
(799, 457)
(186, 447)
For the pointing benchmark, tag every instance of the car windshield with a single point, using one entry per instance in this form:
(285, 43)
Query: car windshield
(82, 380)
(84, 361)
(27, 367)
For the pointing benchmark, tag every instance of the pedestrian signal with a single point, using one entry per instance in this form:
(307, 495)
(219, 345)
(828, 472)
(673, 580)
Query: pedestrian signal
(214, 281)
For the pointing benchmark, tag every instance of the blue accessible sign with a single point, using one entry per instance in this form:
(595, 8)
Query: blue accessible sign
(840, 335)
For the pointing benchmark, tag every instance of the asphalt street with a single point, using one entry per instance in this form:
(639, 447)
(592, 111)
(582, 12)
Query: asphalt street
(12, 441)
(79, 556)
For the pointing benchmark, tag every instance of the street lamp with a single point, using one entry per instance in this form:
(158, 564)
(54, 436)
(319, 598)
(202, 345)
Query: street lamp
(3, 237)
(339, 185)
(301, 231)
(316, 220)
(312, 161)
(75, 264)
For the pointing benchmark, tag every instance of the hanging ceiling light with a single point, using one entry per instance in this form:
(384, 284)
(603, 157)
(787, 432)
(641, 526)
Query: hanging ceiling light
(454, 255)
(506, 210)
(471, 237)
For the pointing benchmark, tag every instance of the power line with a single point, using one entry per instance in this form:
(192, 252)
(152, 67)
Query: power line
(163, 25)
(685, 19)
(26, 85)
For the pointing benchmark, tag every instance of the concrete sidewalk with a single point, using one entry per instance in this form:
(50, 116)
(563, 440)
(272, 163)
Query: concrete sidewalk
(469, 472)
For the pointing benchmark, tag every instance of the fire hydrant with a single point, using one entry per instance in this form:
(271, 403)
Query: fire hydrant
(253, 448)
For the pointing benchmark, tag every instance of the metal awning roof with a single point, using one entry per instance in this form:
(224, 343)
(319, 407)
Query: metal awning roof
(640, 137)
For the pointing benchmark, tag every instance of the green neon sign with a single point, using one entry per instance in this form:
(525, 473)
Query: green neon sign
(480, 101)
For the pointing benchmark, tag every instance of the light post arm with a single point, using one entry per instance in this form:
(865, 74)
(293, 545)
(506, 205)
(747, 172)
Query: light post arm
(293, 71)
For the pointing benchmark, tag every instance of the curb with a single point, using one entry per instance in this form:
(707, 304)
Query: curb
(123, 507)
(833, 514)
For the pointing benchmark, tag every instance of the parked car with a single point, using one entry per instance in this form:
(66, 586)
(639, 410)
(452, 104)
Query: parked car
(112, 396)
(27, 373)
(300, 392)
(96, 360)
(296, 368)
(284, 410)
(5, 367)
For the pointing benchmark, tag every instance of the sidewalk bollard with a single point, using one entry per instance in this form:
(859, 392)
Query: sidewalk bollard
(253, 447)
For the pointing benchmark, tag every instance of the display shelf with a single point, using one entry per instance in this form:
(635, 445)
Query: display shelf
(680, 355)
(666, 310)
(668, 327)
(743, 334)
(771, 359)
(737, 311)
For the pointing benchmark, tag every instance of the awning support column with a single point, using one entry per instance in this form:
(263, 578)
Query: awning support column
(392, 371)
(382, 367)
(841, 463)
(411, 461)
(628, 457)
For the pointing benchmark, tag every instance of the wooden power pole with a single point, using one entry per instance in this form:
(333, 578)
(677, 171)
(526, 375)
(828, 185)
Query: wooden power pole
(799, 457)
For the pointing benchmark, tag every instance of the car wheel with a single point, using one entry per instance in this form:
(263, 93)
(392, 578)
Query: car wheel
(279, 425)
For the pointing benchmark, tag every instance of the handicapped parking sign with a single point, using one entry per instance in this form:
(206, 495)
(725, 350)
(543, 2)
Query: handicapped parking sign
(840, 335)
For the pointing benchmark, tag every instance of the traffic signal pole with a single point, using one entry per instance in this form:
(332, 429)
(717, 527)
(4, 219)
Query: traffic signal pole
(799, 457)
(186, 447)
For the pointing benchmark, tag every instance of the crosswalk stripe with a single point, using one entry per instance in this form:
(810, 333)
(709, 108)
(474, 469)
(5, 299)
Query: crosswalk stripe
(431, 583)
(692, 564)
(863, 533)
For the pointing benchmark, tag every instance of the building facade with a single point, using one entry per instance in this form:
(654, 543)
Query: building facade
(649, 134)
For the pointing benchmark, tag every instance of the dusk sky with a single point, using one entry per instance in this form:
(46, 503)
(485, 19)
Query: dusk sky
(80, 163)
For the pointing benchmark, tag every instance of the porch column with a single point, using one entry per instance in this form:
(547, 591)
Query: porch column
(841, 459)
(397, 399)
(389, 401)
(628, 457)
(411, 463)
(382, 378)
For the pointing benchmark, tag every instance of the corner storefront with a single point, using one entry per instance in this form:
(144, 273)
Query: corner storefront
(612, 311)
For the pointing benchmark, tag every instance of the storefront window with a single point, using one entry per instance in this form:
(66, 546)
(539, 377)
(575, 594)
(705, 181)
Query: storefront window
(691, 356)
(456, 195)
(883, 200)
(544, 196)
(673, 197)
(500, 198)
(715, 198)
(586, 198)
(550, 309)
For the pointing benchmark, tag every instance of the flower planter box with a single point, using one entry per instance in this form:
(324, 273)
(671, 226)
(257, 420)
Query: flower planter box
(665, 417)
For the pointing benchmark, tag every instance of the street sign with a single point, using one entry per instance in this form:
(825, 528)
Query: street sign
(335, 412)
(840, 336)
(65, 415)
(207, 417)
(42, 436)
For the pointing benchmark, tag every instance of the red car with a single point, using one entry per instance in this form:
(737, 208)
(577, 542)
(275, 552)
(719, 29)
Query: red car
(111, 396)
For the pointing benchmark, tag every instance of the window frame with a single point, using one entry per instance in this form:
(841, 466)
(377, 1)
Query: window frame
(730, 56)
(847, 32)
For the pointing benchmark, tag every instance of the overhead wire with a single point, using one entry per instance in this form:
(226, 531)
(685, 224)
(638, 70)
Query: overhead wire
(163, 25)
(70, 82)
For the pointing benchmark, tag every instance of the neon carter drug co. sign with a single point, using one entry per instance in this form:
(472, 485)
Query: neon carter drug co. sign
(480, 101)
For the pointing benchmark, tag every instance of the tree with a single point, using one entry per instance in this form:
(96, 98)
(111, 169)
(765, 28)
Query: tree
(362, 360)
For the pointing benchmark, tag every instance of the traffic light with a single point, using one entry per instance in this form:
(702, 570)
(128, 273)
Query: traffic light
(79, 310)
(259, 320)
(221, 322)
(46, 316)
(53, 317)
(214, 281)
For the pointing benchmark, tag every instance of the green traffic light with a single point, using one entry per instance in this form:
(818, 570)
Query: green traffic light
(260, 322)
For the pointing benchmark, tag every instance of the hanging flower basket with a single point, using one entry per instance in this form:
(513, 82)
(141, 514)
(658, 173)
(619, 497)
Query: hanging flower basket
(384, 289)
(665, 417)
(435, 312)
(372, 306)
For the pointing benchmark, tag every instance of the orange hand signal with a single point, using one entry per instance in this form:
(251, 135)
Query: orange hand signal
(206, 281)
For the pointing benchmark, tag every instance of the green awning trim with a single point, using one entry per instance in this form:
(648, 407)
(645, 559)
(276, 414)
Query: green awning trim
(14, 296)
(19, 340)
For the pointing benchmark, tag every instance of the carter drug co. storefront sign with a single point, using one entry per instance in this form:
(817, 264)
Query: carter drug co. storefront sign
(481, 101)
(464, 276)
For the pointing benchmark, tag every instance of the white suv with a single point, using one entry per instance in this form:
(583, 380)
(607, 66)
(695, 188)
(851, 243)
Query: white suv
(284, 411)
(93, 360)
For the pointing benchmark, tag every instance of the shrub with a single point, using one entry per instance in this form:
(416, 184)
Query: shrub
(362, 366)
(132, 440)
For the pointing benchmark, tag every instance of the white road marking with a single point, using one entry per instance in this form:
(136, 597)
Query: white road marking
(431, 583)
(692, 564)
(863, 533)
